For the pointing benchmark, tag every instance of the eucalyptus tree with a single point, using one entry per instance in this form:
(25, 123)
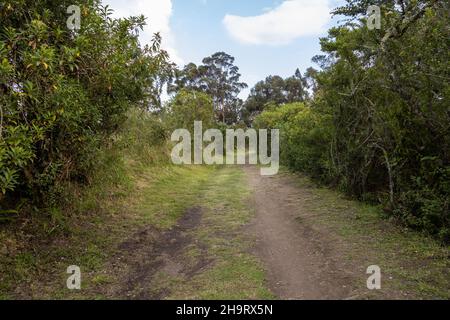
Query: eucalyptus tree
(219, 78)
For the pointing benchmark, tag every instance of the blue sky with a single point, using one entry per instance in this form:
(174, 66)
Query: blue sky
(267, 37)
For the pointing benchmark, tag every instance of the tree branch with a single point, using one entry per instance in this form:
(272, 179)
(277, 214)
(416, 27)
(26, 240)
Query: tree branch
(398, 31)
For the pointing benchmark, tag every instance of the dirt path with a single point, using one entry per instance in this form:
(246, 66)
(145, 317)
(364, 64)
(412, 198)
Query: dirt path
(302, 263)
(228, 233)
(152, 253)
(298, 260)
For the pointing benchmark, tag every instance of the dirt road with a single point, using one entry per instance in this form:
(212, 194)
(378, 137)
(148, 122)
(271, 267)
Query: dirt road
(301, 262)
(229, 233)
(278, 237)
(296, 260)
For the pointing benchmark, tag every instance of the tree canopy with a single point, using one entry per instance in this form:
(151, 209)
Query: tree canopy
(380, 112)
(275, 90)
(218, 77)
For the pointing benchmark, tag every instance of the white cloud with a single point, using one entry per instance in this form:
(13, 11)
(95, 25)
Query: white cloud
(158, 14)
(281, 25)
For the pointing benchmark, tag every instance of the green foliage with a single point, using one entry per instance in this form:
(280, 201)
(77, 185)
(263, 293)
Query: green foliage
(274, 90)
(64, 93)
(144, 138)
(219, 78)
(305, 136)
(189, 106)
(379, 124)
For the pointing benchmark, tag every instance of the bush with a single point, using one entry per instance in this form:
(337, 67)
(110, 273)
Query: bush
(144, 138)
(305, 137)
(189, 106)
(378, 125)
(63, 94)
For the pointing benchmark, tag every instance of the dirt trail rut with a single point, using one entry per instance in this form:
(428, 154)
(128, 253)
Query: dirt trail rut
(301, 262)
(149, 252)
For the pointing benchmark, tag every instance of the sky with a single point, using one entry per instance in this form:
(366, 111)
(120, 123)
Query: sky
(267, 37)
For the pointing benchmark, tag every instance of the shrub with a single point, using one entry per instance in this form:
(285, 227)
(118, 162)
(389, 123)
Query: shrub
(63, 94)
(305, 137)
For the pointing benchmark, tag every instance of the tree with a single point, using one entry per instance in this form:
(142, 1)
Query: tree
(190, 77)
(387, 92)
(188, 106)
(218, 77)
(275, 90)
(295, 88)
(378, 125)
(311, 79)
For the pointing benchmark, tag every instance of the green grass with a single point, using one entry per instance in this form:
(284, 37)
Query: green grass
(234, 277)
(412, 263)
(234, 273)
(168, 192)
(133, 197)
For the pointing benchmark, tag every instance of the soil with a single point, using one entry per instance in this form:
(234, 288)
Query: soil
(149, 252)
(302, 261)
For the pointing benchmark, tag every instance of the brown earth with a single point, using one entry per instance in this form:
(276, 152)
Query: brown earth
(149, 252)
(301, 262)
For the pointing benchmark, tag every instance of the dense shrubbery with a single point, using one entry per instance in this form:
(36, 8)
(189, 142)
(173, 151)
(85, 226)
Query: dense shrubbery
(379, 124)
(144, 138)
(188, 106)
(64, 93)
(305, 136)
